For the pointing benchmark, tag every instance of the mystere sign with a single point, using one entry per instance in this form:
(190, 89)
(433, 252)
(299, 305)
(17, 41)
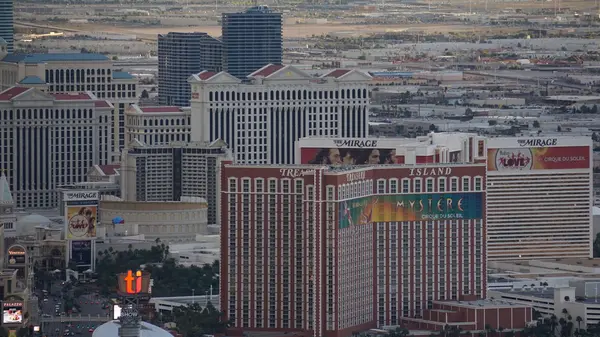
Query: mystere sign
(81, 195)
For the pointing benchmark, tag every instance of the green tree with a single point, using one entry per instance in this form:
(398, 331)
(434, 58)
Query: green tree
(23, 332)
(536, 124)
(194, 320)
(170, 279)
(597, 246)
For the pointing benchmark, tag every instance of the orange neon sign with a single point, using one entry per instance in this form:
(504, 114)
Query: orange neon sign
(133, 284)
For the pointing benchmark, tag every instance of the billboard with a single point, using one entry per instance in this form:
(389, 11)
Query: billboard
(81, 252)
(16, 255)
(12, 312)
(411, 207)
(539, 158)
(348, 156)
(133, 283)
(81, 221)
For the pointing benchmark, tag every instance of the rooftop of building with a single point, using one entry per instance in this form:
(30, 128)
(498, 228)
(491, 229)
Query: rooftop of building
(146, 330)
(566, 98)
(103, 104)
(282, 72)
(338, 73)
(32, 80)
(217, 143)
(10, 93)
(122, 75)
(109, 170)
(260, 9)
(267, 70)
(157, 109)
(200, 299)
(580, 267)
(58, 57)
(205, 75)
(347, 168)
(481, 303)
(74, 96)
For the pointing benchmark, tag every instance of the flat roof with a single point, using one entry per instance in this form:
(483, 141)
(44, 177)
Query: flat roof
(122, 75)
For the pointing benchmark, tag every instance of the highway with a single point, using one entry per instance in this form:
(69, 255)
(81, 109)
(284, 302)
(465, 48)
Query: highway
(529, 79)
(91, 315)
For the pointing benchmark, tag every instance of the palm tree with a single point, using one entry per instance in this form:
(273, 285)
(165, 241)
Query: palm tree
(579, 320)
(488, 329)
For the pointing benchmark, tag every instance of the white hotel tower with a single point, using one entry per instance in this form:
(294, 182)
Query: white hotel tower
(50, 140)
(539, 198)
(261, 120)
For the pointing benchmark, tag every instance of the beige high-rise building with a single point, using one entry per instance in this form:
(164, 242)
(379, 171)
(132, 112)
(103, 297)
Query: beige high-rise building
(74, 72)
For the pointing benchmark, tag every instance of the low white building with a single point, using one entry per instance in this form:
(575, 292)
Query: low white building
(169, 221)
(167, 304)
(550, 286)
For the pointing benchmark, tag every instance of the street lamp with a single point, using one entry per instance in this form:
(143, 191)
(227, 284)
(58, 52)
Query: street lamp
(193, 296)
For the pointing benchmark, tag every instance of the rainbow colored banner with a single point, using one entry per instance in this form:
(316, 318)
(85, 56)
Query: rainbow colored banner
(411, 207)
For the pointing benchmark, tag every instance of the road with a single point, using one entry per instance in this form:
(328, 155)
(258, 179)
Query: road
(90, 306)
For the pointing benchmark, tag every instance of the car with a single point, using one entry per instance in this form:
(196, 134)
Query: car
(45, 300)
(46, 316)
(90, 330)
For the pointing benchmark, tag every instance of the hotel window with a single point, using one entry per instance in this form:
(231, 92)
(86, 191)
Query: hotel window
(417, 183)
(429, 184)
(442, 184)
(477, 183)
(393, 185)
(454, 184)
(405, 186)
(232, 185)
(381, 186)
(465, 184)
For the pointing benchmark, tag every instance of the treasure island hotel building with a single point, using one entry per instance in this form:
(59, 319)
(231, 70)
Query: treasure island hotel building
(328, 250)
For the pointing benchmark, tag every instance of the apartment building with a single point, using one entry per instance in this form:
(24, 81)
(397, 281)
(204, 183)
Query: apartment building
(261, 120)
(157, 125)
(169, 172)
(251, 40)
(74, 72)
(328, 251)
(50, 140)
(180, 55)
(540, 198)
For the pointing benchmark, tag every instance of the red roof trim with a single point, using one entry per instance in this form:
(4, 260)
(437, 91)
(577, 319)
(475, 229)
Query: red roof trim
(205, 75)
(338, 73)
(267, 70)
(72, 97)
(109, 170)
(8, 94)
(102, 104)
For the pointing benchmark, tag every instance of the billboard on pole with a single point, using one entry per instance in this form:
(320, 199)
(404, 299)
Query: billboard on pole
(81, 221)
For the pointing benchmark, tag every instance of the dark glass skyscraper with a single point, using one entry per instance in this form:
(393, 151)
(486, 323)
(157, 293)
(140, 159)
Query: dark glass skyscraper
(181, 55)
(6, 23)
(251, 40)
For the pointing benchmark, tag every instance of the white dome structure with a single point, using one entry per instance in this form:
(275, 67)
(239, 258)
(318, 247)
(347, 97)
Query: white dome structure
(111, 329)
(27, 224)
